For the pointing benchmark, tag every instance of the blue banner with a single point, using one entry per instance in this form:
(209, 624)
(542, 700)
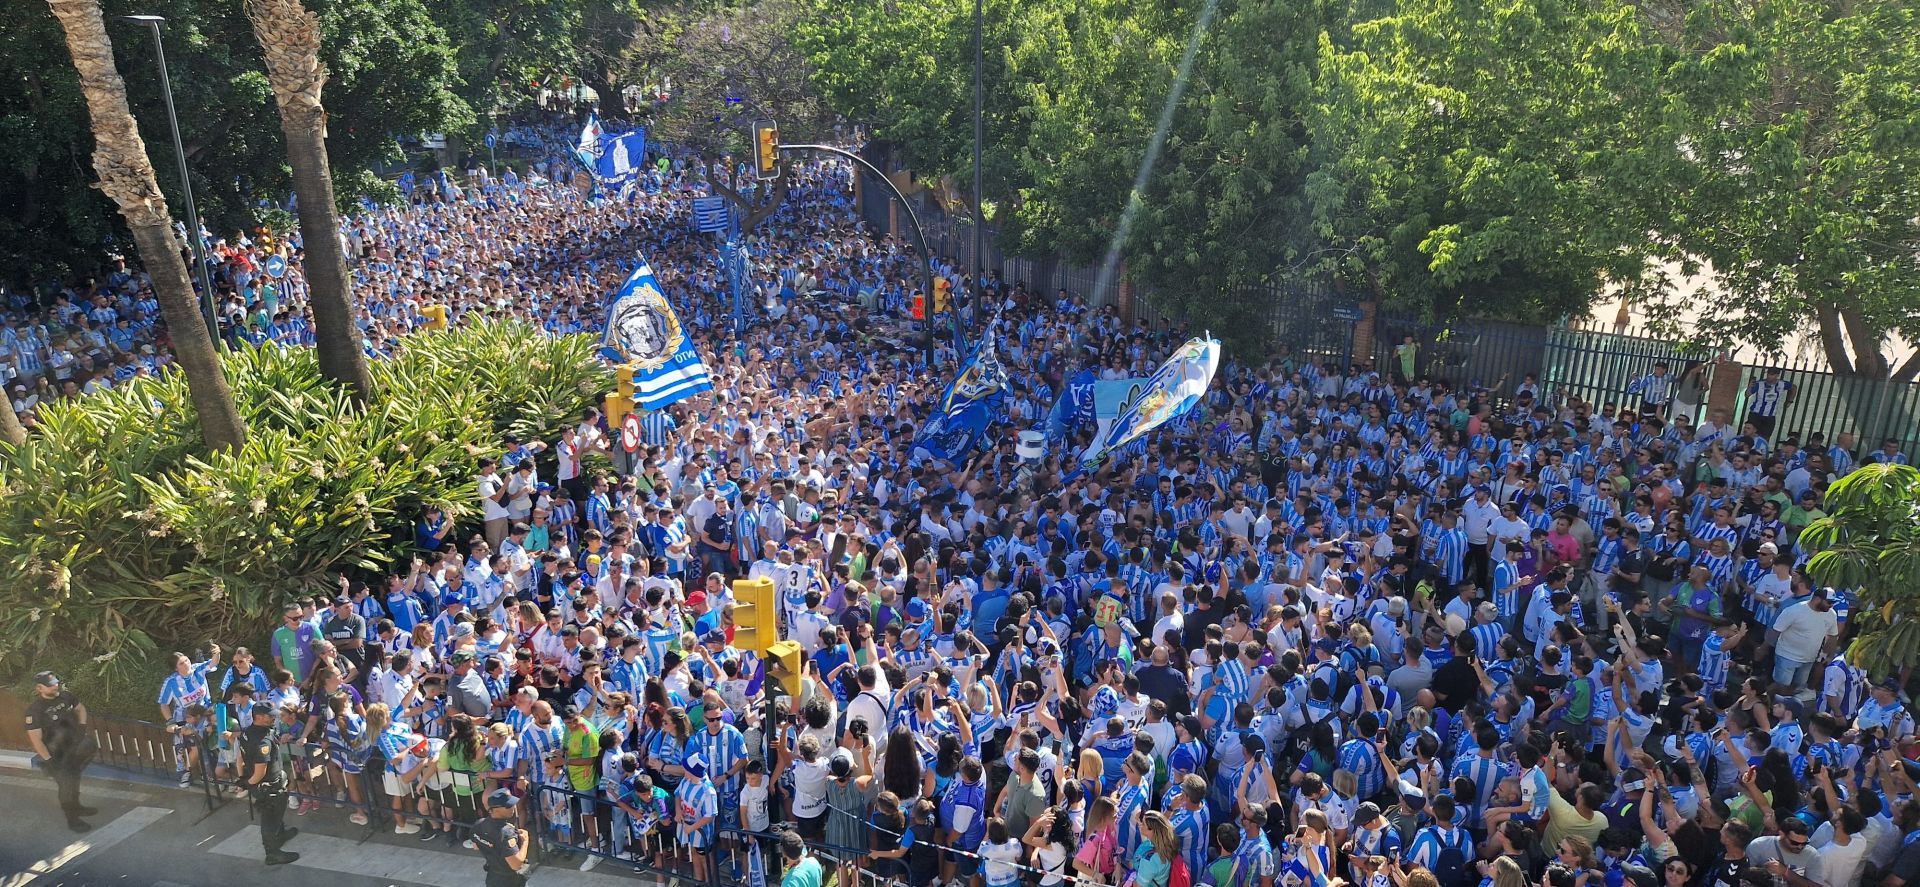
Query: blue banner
(642, 331)
(959, 422)
(620, 162)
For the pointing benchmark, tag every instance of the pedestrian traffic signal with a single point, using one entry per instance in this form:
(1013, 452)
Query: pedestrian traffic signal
(766, 149)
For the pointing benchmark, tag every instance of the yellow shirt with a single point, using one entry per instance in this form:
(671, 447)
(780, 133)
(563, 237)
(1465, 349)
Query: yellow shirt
(1566, 820)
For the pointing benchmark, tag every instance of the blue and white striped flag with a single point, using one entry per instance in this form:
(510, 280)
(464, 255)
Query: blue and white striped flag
(1173, 389)
(643, 331)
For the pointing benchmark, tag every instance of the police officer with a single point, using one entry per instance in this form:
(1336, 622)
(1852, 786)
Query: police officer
(265, 780)
(503, 845)
(57, 730)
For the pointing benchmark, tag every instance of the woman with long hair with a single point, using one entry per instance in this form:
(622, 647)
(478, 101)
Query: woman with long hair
(462, 759)
(667, 747)
(1156, 856)
(886, 858)
(900, 770)
(348, 742)
(1507, 873)
(390, 744)
(1099, 842)
(1051, 837)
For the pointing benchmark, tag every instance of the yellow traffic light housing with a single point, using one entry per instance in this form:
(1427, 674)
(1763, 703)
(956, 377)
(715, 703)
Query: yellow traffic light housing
(785, 661)
(766, 149)
(942, 295)
(620, 402)
(755, 618)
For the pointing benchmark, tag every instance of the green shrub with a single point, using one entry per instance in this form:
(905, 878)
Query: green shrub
(118, 530)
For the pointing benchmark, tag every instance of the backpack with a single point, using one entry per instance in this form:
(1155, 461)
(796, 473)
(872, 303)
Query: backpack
(1451, 866)
(1177, 875)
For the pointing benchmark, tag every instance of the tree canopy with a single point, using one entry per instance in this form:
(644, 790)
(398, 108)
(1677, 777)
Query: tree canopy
(1512, 158)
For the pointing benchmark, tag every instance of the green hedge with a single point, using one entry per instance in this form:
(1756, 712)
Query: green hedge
(118, 530)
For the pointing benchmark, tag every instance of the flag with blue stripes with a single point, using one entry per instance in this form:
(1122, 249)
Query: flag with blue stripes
(591, 136)
(959, 422)
(1171, 392)
(643, 331)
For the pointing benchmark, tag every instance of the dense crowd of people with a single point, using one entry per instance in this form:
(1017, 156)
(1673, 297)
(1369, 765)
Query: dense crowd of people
(1339, 624)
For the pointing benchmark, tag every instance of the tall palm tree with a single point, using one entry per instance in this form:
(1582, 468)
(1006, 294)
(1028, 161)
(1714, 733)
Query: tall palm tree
(289, 36)
(120, 159)
(11, 430)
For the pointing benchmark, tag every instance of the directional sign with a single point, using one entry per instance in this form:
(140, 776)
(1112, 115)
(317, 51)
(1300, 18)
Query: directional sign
(1347, 313)
(630, 432)
(490, 141)
(709, 214)
(276, 266)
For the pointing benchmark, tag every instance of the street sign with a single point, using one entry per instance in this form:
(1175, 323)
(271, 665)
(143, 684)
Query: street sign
(1347, 313)
(630, 432)
(490, 141)
(709, 214)
(276, 266)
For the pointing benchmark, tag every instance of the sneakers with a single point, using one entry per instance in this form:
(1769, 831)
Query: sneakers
(293, 803)
(282, 858)
(407, 828)
(592, 861)
(468, 845)
(186, 780)
(357, 818)
(430, 834)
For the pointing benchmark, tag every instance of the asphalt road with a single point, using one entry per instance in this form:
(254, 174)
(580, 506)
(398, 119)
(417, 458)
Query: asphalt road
(150, 836)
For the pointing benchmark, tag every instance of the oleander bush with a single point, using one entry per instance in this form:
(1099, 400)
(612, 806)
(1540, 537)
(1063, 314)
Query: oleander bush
(118, 530)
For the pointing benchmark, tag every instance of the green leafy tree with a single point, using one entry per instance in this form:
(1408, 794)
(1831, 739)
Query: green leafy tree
(1794, 129)
(727, 67)
(1869, 545)
(393, 75)
(1471, 156)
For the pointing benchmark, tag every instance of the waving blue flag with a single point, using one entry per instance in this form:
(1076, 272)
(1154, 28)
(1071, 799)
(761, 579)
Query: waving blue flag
(643, 331)
(959, 422)
(621, 161)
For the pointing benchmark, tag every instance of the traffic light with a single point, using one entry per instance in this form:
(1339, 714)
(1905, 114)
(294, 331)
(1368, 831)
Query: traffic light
(766, 149)
(942, 295)
(620, 402)
(755, 620)
(919, 306)
(785, 659)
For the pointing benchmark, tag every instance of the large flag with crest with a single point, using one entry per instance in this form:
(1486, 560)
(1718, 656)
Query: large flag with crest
(959, 421)
(642, 330)
(614, 159)
(1173, 389)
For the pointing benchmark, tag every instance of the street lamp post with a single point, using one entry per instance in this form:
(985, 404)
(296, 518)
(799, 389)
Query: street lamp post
(153, 23)
(913, 223)
(979, 136)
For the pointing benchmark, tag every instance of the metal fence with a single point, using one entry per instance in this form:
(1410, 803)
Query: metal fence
(1305, 320)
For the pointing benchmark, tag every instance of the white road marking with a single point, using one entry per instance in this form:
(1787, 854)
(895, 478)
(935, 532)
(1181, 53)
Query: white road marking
(100, 838)
(398, 865)
(87, 789)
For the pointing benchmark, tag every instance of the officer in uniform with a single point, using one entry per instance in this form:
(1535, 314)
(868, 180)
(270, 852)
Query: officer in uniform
(504, 846)
(266, 783)
(57, 729)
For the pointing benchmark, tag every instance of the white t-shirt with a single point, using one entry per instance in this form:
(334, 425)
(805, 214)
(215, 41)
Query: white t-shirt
(1001, 861)
(1051, 859)
(1802, 630)
(753, 801)
(809, 788)
(490, 509)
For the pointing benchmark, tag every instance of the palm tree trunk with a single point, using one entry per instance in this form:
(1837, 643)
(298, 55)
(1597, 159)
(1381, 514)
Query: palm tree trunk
(289, 36)
(126, 175)
(11, 430)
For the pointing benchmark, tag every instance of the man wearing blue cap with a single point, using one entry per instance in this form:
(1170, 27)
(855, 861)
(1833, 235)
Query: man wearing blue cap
(265, 780)
(503, 845)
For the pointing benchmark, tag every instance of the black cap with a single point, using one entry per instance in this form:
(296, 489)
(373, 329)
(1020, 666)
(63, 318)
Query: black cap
(263, 709)
(47, 679)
